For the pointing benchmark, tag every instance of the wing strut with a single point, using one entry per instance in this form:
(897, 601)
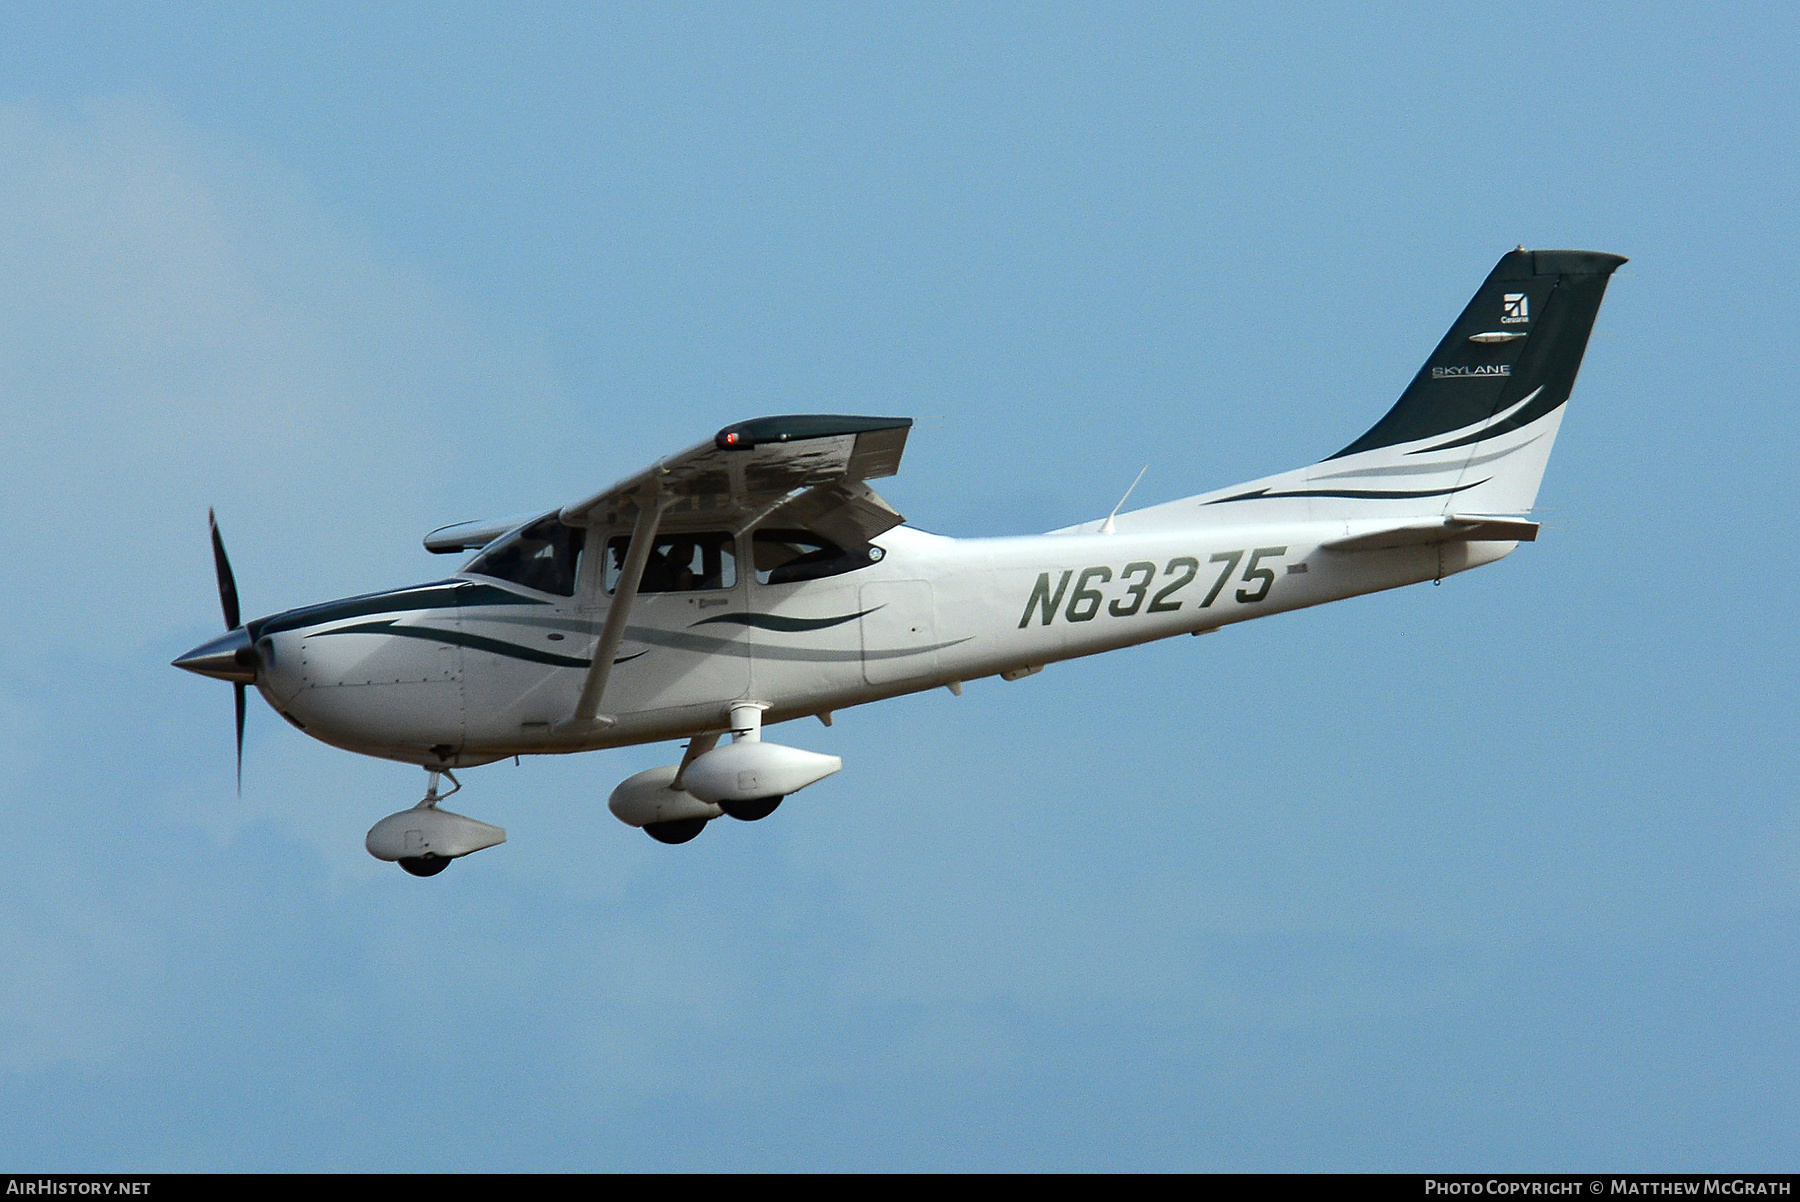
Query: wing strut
(651, 503)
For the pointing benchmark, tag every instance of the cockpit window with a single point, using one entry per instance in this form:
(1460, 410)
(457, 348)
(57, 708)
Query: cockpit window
(542, 556)
(785, 556)
(679, 563)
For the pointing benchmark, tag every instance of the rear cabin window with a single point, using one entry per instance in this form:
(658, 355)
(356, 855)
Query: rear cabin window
(679, 563)
(542, 556)
(786, 556)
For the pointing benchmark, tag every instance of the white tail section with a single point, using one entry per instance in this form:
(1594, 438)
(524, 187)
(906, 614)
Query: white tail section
(1473, 432)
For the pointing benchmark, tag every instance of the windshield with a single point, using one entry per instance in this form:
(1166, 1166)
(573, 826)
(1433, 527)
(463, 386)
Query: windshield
(542, 556)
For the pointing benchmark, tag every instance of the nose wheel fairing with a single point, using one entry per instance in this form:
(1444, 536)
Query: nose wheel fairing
(424, 839)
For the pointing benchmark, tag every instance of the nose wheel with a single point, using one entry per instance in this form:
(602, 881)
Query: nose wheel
(424, 865)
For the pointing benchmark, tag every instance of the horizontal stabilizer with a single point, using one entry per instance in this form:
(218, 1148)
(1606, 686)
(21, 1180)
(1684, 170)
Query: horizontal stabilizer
(1457, 528)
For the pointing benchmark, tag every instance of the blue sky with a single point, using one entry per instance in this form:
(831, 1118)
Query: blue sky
(1498, 875)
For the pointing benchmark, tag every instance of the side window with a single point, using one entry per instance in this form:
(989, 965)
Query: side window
(542, 556)
(785, 556)
(678, 563)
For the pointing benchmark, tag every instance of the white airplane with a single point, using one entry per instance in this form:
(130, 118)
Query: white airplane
(756, 578)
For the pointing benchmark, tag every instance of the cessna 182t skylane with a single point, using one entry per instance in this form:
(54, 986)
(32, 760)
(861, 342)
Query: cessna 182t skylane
(757, 578)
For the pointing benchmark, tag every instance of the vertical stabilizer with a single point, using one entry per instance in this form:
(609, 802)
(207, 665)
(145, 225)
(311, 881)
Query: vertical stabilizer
(1472, 432)
(1514, 351)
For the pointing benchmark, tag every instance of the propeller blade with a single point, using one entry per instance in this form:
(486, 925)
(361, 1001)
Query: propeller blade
(228, 597)
(238, 689)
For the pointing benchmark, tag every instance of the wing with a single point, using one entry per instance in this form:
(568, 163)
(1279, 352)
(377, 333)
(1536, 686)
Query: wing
(815, 464)
(809, 465)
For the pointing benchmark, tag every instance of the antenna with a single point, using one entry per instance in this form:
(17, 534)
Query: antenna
(1106, 527)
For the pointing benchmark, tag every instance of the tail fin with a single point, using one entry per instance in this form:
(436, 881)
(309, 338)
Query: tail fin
(1470, 435)
(1514, 351)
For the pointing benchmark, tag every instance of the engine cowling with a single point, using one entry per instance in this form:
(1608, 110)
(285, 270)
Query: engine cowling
(745, 771)
(645, 798)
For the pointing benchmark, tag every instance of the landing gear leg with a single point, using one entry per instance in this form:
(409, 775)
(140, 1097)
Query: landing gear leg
(432, 796)
(746, 727)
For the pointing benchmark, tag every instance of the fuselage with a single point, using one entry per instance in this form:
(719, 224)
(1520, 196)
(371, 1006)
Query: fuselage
(472, 669)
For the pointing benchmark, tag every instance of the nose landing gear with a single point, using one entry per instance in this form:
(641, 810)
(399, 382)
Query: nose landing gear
(424, 839)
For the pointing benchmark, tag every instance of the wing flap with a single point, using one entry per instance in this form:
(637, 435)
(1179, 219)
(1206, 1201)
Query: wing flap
(848, 512)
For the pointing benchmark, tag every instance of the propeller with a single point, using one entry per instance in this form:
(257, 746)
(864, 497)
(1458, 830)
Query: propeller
(231, 657)
(228, 598)
(228, 601)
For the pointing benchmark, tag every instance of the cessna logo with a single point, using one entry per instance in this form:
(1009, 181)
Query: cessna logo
(1515, 309)
(1470, 373)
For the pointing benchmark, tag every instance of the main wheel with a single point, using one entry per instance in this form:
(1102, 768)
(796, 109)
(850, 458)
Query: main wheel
(678, 830)
(750, 811)
(427, 865)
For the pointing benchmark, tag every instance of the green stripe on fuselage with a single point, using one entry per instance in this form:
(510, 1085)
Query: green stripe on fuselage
(446, 594)
(473, 641)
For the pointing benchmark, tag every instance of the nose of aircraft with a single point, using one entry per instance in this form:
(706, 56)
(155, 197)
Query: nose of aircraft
(228, 657)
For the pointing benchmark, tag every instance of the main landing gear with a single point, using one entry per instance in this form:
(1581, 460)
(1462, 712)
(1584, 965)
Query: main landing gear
(424, 839)
(745, 779)
(680, 830)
